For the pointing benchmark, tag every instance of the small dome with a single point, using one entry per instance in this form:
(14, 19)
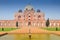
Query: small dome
(38, 10)
(20, 11)
(28, 7)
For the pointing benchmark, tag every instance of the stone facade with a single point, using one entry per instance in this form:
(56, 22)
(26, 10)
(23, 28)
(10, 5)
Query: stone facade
(54, 23)
(28, 17)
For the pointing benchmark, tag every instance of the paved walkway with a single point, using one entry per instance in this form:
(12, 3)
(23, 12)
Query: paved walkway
(29, 30)
(33, 30)
(2, 32)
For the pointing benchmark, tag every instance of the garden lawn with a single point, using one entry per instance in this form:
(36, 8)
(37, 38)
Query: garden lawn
(7, 29)
(52, 29)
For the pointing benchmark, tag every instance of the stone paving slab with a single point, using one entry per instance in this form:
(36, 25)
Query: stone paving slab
(29, 30)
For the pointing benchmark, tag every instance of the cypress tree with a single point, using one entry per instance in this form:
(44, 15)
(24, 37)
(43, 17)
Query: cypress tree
(2, 29)
(56, 29)
(47, 22)
(17, 24)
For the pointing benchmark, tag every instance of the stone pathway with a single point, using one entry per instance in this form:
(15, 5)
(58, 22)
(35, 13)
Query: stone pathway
(2, 33)
(29, 29)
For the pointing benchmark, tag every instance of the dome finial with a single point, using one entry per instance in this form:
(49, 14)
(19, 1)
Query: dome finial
(20, 10)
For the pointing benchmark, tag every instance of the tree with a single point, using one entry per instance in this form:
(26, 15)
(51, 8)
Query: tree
(2, 29)
(47, 22)
(17, 24)
(56, 29)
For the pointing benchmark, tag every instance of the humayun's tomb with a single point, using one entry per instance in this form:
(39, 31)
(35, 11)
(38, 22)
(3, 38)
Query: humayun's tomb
(29, 17)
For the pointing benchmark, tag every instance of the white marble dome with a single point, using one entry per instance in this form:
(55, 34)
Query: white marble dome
(28, 7)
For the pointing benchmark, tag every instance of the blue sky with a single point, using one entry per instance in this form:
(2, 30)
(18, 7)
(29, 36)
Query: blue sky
(51, 8)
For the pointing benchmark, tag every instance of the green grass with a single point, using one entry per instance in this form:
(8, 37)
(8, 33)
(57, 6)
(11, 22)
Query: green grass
(7, 29)
(52, 29)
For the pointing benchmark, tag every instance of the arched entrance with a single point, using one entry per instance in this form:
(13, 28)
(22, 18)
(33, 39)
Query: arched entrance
(29, 23)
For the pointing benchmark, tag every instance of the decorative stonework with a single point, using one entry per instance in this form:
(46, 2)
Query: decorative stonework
(29, 17)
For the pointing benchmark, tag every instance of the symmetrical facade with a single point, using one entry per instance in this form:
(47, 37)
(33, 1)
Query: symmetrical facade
(29, 17)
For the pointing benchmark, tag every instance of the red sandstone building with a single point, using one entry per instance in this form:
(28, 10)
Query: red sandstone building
(28, 17)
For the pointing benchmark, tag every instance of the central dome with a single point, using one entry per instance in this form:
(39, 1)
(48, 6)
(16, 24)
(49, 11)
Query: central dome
(28, 7)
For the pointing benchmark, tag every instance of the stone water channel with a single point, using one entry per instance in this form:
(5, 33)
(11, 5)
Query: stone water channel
(33, 37)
